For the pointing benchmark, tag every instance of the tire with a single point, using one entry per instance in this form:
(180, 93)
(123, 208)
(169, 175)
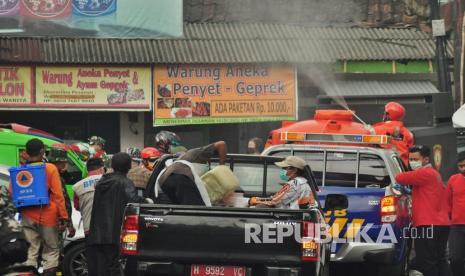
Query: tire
(75, 262)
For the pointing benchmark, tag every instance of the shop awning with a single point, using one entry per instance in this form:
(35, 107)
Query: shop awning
(229, 43)
(370, 88)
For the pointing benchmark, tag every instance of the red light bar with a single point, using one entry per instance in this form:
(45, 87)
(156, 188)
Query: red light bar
(335, 138)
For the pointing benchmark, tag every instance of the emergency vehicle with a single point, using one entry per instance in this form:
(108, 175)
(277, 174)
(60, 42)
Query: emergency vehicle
(356, 169)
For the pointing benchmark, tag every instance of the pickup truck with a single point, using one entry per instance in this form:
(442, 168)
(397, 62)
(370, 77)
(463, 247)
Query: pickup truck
(366, 176)
(197, 240)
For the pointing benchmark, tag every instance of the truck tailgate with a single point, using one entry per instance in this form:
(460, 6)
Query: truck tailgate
(218, 235)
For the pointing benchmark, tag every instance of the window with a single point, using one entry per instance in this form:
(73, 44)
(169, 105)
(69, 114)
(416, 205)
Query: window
(73, 173)
(250, 176)
(273, 181)
(373, 172)
(341, 167)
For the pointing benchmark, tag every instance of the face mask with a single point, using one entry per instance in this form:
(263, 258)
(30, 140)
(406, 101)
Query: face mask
(200, 169)
(283, 175)
(415, 165)
(250, 150)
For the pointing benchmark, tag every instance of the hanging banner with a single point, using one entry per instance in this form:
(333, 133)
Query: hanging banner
(214, 94)
(107, 88)
(92, 18)
(15, 86)
(9, 7)
(45, 9)
(93, 8)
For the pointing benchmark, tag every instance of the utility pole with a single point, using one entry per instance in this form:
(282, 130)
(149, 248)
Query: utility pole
(459, 54)
(441, 57)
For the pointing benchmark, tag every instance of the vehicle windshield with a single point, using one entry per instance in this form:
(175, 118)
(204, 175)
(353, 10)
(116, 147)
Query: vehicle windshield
(342, 168)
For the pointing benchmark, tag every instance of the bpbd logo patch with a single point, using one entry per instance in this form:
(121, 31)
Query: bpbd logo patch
(94, 7)
(24, 179)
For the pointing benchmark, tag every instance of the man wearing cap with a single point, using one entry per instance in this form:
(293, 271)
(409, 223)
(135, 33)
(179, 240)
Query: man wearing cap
(295, 193)
(98, 143)
(84, 190)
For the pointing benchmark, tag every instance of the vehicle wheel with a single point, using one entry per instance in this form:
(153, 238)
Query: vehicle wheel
(75, 262)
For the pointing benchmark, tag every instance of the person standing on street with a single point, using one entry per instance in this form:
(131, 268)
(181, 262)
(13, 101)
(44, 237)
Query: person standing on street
(429, 210)
(58, 156)
(84, 190)
(112, 193)
(455, 192)
(41, 224)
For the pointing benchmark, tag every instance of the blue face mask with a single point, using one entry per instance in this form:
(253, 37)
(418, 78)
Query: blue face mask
(283, 175)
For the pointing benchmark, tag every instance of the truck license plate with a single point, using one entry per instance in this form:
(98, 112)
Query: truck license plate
(215, 270)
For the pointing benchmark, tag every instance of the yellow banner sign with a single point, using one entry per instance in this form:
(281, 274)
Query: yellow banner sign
(98, 87)
(209, 94)
(15, 86)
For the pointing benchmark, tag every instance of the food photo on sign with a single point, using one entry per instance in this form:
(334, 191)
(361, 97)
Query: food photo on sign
(125, 95)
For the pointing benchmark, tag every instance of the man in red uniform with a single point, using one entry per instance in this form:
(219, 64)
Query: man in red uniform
(392, 125)
(430, 216)
(455, 192)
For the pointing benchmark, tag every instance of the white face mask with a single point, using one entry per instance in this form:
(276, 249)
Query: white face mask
(200, 169)
(415, 165)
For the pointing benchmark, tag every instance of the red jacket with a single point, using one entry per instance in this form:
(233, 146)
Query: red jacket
(402, 137)
(455, 193)
(429, 206)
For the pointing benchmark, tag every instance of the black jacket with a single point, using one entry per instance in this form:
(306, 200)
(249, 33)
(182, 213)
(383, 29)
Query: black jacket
(112, 193)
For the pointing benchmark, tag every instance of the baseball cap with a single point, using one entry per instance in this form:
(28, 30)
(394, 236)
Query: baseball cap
(292, 161)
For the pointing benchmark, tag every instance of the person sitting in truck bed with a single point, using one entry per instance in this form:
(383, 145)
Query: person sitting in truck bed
(181, 182)
(295, 194)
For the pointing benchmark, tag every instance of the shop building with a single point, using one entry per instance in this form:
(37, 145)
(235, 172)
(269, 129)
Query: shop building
(326, 60)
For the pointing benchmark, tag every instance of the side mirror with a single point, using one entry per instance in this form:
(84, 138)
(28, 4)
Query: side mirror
(336, 202)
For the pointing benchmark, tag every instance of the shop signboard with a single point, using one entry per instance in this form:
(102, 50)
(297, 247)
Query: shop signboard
(93, 87)
(214, 94)
(15, 86)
